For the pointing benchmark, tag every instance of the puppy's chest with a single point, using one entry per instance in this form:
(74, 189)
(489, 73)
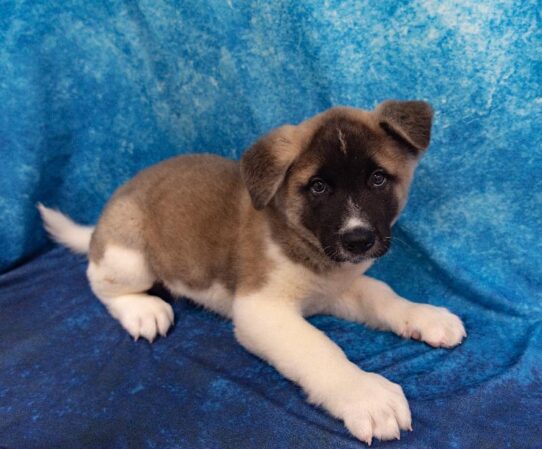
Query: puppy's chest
(312, 290)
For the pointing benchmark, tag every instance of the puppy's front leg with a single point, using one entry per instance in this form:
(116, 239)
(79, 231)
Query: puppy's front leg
(374, 303)
(369, 405)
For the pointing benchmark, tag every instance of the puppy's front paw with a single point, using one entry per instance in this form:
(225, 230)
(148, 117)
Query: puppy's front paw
(436, 326)
(375, 407)
(142, 315)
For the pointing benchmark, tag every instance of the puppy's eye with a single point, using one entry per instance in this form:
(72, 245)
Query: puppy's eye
(318, 186)
(378, 179)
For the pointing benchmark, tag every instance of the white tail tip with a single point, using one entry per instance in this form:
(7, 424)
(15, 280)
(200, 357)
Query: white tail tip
(65, 231)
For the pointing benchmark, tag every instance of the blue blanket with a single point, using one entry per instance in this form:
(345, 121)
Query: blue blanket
(91, 92)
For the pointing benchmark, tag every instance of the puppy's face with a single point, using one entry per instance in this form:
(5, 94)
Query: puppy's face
(347, 175)
(347, 193)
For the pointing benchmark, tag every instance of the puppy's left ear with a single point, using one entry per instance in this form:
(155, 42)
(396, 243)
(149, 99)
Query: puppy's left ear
(408, 122)
(264, 164)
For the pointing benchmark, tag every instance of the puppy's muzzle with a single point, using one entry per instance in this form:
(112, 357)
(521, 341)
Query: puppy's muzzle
(358, 241)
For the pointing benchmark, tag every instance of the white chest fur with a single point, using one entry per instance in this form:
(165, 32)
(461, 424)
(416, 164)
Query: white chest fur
(291, 281)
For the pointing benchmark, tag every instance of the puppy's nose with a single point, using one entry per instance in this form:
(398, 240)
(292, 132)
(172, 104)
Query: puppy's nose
(358, 240)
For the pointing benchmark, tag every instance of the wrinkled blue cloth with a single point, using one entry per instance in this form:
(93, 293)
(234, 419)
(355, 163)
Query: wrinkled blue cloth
(70, 377)
(91, 92)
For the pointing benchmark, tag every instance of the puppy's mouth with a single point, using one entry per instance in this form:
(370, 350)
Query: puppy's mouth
(356, 252)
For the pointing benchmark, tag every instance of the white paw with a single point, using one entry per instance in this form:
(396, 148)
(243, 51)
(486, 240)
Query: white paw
(142, 315)
(436, 326)
(375, 408)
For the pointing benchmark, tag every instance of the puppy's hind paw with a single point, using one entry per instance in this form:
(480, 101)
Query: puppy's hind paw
(142, 315)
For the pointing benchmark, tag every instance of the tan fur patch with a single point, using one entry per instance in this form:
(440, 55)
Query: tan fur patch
(400, 165)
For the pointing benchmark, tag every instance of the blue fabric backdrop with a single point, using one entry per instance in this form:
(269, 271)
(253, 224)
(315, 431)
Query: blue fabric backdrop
(91, 92)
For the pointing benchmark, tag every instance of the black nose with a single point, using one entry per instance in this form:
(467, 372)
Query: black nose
(358, 240)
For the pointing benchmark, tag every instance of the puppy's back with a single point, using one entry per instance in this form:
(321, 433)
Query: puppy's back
(183, 214)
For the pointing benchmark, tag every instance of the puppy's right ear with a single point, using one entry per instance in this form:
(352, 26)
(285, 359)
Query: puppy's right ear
(264, 164)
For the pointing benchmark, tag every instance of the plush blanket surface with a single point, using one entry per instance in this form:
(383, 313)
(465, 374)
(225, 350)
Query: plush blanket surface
(91, 92)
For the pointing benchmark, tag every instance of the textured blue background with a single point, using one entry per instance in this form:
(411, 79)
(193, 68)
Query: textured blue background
(90, 92)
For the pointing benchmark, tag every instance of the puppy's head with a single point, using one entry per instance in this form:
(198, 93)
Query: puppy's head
(341, 178)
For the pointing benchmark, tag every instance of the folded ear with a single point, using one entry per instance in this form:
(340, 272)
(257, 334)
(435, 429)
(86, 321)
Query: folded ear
(408, 122)
(264, 164)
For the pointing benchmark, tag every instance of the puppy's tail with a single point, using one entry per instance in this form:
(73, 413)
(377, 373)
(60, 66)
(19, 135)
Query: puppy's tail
(65, 231)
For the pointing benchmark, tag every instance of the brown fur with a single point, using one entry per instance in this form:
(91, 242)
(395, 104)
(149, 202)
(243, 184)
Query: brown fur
(200, 219)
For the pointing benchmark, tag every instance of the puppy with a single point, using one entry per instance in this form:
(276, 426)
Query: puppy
(285, 234)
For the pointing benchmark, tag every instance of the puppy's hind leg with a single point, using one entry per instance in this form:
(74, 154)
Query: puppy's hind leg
(120, 279)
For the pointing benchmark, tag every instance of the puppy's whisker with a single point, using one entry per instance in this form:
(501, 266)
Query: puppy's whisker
(393, 239)
(332, 252)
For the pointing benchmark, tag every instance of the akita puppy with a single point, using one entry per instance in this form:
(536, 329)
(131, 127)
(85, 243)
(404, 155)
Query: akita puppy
(286, 233)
